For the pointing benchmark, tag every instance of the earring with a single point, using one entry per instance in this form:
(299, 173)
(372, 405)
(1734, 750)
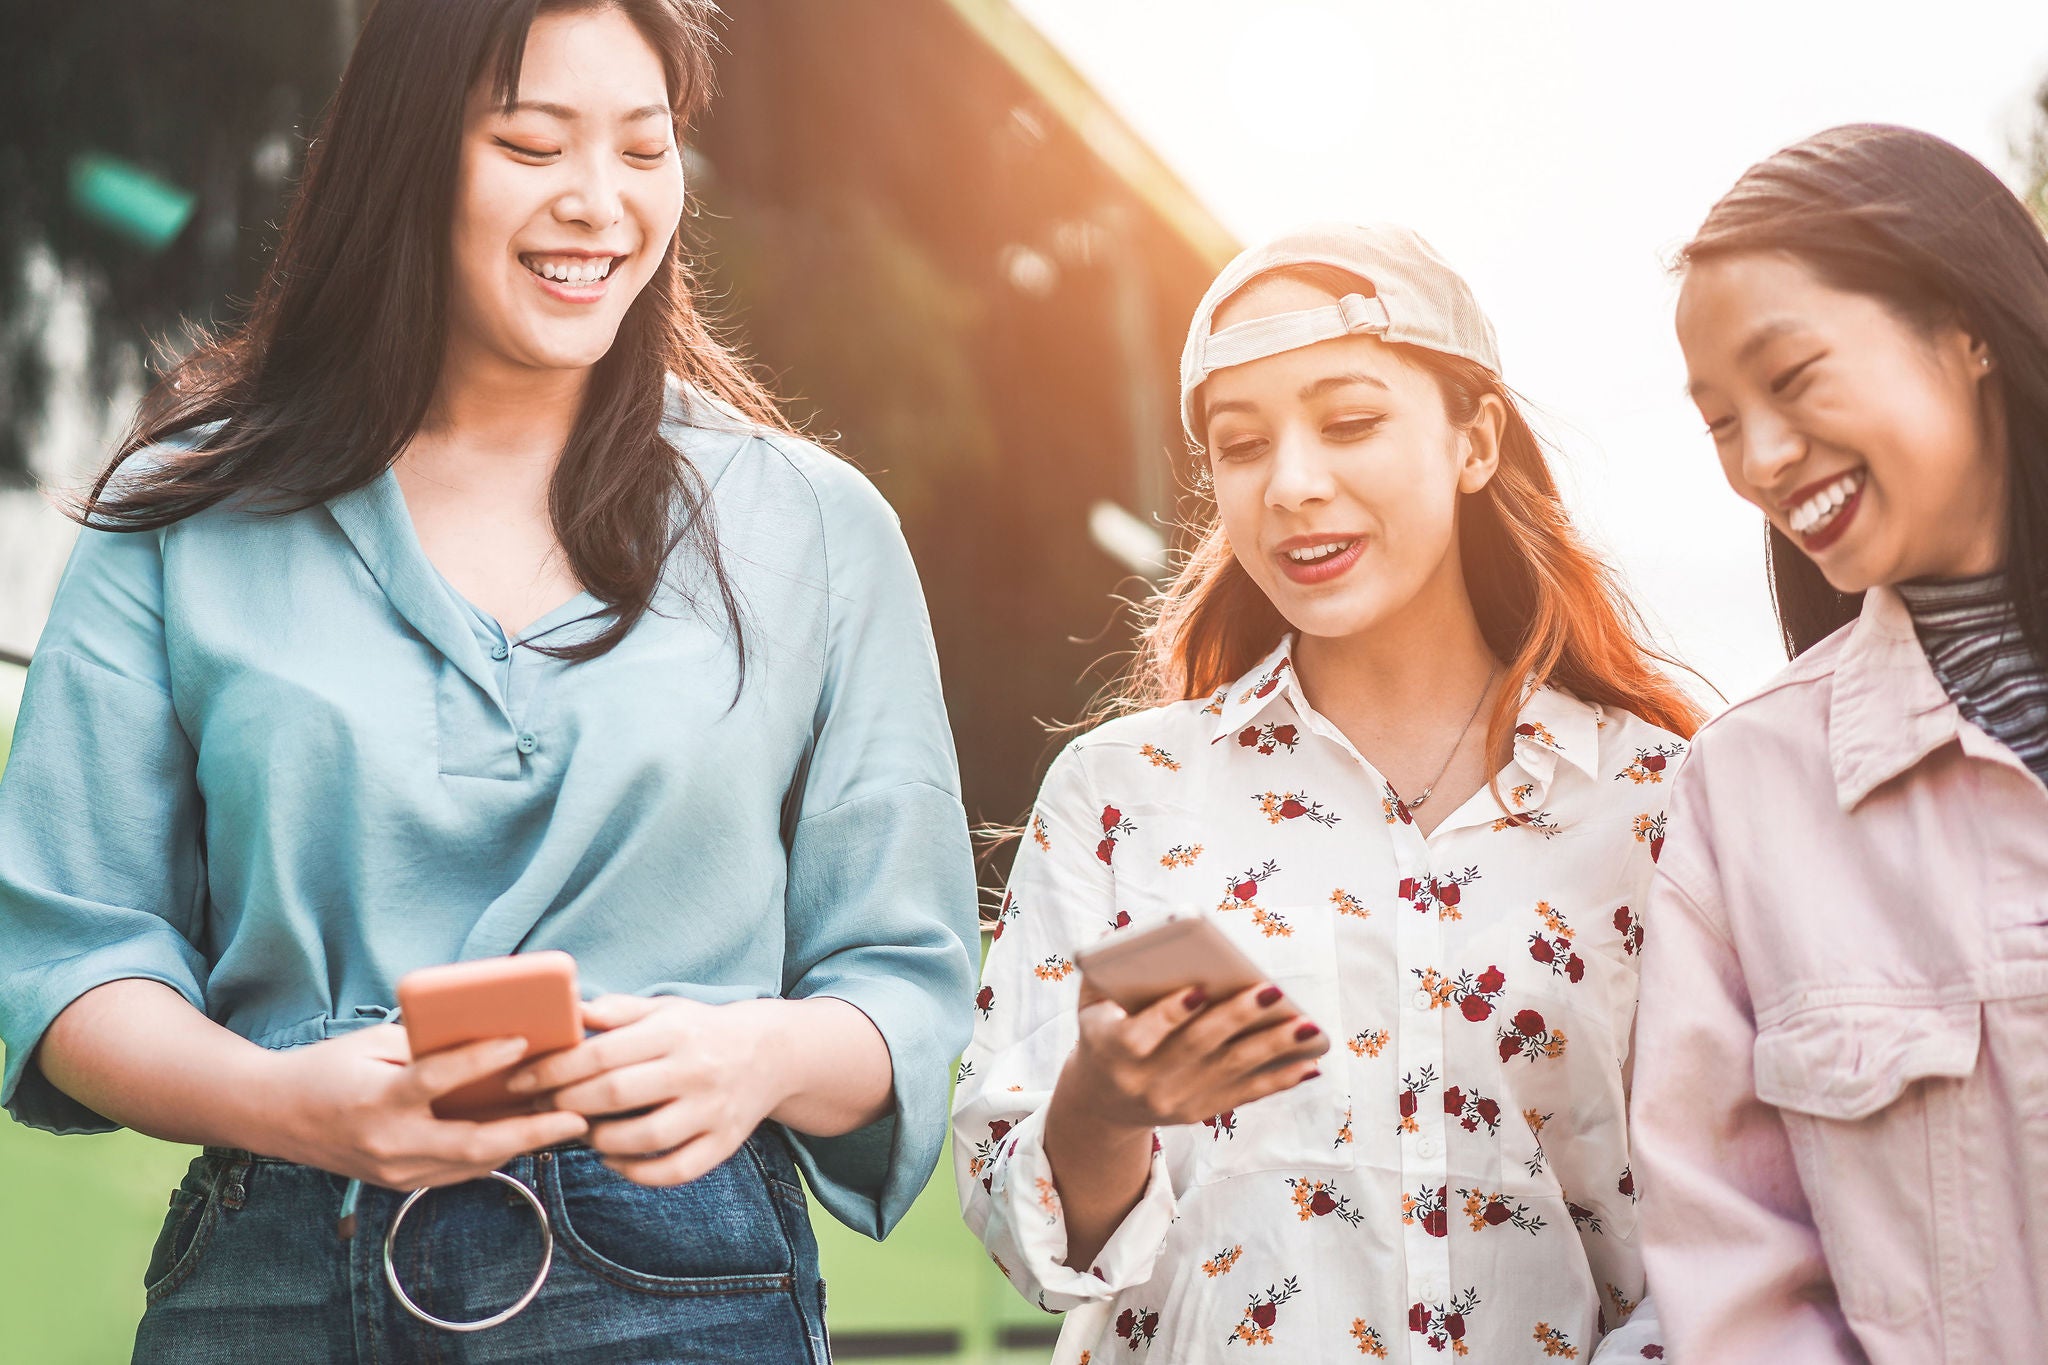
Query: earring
(1985, 361)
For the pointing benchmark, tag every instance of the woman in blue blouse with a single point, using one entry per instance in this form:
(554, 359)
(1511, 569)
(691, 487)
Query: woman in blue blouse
(469, 600)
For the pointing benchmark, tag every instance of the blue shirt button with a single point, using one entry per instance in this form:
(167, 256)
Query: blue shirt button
(527, 743)
(499, 652)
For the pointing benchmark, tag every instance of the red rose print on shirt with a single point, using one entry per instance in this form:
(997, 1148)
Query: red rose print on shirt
(1242, 889)
(1114, 827)
(1631, 929)
(1554, 947)
(985, 1150)
(1005, 912)
(1441, 894)
(985, 1000)
(1529, 1037)
(1484, 1210)
(1267, 682)
(1320, 1199)
(1256, 1327)
(1649, 830)
(1413, 1086)
(1278, 806)
(1426, 1207)
(1442, 1326)
(1474, 996)
(1471, 1110)
(1537, 821)
(1137, 1326)
(1269, 738)
(1648, 764)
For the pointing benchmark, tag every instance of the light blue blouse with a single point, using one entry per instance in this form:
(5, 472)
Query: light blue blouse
(277, 762)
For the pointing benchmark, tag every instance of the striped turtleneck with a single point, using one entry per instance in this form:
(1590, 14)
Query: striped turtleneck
(1972, 639)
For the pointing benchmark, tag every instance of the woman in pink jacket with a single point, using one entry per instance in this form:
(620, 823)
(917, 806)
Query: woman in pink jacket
(1841, 1106)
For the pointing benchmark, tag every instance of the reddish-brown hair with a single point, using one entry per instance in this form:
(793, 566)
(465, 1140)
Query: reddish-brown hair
(1546, 604)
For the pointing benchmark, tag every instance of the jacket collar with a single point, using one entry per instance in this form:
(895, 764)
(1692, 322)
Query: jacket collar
(1887, 710)
(1551, 726)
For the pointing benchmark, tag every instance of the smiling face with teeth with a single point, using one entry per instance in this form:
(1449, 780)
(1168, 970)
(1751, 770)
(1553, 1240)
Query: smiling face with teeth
(565, 204)
(1866, 439)
(1338, 472)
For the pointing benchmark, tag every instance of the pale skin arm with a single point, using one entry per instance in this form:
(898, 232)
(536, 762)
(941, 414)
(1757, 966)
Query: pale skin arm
(137, 1052)
(1177, 1062)
(712, 1073)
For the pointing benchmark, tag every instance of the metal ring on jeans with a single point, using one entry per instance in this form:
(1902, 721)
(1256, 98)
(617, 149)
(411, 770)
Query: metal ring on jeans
(547, 1258)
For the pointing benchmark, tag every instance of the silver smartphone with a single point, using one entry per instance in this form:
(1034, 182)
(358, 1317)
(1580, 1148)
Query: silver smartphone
(1137, 970)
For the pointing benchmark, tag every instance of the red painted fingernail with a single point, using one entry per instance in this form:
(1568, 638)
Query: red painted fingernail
(1306, 1032)
(1269, 996)
(1194, 999)
(1313, 1074)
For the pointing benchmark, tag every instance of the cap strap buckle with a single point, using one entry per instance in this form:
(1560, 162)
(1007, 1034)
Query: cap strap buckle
(1259, 338)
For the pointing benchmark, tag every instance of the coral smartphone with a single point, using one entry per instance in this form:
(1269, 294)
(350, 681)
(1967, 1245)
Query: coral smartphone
(1138, 970)
(528, 995)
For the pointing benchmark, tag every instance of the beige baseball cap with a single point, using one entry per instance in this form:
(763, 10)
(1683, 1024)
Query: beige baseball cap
(1416, 299)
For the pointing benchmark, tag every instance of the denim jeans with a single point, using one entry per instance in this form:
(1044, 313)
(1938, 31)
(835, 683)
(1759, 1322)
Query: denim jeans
(249, 1267)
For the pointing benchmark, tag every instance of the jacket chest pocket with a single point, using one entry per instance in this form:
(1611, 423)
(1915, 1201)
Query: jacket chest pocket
(1877, 1102)
(1307, 1126)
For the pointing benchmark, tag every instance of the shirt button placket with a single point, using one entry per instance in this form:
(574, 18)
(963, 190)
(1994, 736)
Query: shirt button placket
(1420, 946)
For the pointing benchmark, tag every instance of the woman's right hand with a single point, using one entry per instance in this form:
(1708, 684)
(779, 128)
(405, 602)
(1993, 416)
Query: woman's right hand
(1185, 1059)
(360, 1106)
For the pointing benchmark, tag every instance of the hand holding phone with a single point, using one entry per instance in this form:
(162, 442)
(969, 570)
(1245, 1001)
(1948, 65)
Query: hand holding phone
(1170, 1052)
(528, 995)
(1139, 969)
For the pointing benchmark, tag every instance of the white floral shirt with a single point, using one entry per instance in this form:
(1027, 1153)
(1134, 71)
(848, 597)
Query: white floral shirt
(1457, 1180)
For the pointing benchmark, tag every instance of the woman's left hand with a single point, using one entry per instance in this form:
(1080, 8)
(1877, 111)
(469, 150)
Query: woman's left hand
(705, 1074)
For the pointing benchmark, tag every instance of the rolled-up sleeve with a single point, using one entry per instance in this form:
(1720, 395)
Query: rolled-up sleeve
(881, 899)
(101, 873)
(1733, 1257)
(1061, 895)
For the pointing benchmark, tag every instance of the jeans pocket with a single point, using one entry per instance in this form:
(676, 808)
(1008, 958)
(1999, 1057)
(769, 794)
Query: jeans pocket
(182, 1239)
(717, 1234)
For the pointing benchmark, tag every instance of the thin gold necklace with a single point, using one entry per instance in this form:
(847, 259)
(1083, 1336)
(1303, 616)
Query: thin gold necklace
(1484, 692)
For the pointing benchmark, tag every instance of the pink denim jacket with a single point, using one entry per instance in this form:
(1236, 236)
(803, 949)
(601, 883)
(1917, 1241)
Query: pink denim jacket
(1841, 1081)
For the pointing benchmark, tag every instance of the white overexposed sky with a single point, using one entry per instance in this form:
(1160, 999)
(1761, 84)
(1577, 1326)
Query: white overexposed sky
(1557, 154)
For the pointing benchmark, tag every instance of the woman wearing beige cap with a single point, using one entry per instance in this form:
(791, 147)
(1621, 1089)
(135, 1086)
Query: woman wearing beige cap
(1394, 731)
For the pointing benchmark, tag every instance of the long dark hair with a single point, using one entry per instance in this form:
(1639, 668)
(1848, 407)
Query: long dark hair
(1903, 217)
(331, 373)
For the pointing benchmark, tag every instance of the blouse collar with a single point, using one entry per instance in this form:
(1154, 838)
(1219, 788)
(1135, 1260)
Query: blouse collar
(1552, 725)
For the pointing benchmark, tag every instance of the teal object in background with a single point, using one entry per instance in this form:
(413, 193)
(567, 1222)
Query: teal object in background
(128, 200)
